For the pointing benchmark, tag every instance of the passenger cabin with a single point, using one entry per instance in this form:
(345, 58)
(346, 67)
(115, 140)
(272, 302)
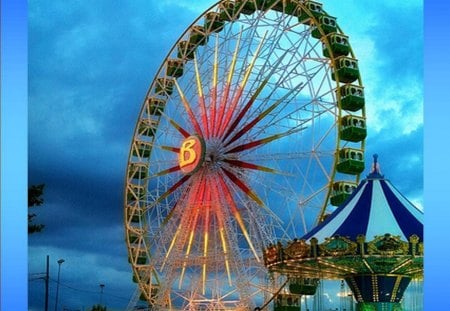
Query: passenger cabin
(186, 50)
(142, 149)
(198, 35)
(155, 106)
(164, 86)
(267, 4)
(174, 68)
(327, 24)
(287, 302)
(153, 292)
(135, 192)
(351, 161)
(353, 128)
(248, 7)
(229, 11)
(314, 8)
(346, 69)
(289, 7)
(137, 171)
(136, 278)
(213, 22)
(340, 192)
(133, 238)
(141, 257)
(339, 45)
(352, 97)
(303, 286)
(147, 127)
(134, 215)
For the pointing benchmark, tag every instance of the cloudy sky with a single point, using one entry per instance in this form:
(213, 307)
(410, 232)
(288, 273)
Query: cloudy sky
(90, 64)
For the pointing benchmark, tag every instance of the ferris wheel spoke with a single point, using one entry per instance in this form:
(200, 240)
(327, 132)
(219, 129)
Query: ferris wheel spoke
(220, 219)
(167, 171)
(215, 79)
(224, 99)
(232, 204)
(198, 197)
(241, 185)
(201, 99)
(171, 149)
(252, 99)
(188, 108)
(206, 226)
(251, 166)
(260, 117)
(172, 244)
(240, 89)
(263, 141)
(172, 189)
(245, 109)
(178, 127)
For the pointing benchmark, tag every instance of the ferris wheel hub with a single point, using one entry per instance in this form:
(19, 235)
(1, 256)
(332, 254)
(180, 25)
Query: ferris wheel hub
(192, 154)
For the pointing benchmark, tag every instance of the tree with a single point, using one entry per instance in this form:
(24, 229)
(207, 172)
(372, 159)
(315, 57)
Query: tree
(35, 193)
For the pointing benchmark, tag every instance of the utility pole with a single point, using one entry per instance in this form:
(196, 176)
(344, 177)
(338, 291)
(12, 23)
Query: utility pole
(57, 285)
(46, 284)
(101, 293)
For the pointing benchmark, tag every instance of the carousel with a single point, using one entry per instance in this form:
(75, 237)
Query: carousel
(373, 241)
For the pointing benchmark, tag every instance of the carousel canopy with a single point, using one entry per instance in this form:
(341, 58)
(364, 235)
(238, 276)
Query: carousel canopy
(375, 208)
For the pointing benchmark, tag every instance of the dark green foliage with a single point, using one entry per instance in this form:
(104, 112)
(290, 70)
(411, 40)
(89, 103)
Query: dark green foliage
(35, 193)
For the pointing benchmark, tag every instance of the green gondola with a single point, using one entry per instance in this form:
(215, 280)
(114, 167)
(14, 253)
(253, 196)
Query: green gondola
(315, 8)
(155, 106)
(353, 128)
(137, 171)
(213, 22)
(327, 24)
(133, 238)
(164, 86)
(135, 193)
(352, 97)
(341, 191)
(198, 35)
(289, 7)
(136, 217)
(287, 302)
(266, 4)
(339, 45)
(147, 127)
(229, 11)
(346, 69)
(142, 149)
(247, 7)
(351, 161)
(303, 286)
(186, 50)
(141, 259)
(175, 68)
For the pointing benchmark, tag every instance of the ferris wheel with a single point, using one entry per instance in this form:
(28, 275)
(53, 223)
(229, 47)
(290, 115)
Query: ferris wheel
(251, 131)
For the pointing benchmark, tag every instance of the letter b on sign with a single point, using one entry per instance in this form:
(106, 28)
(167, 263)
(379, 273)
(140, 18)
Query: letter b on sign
(191, 154)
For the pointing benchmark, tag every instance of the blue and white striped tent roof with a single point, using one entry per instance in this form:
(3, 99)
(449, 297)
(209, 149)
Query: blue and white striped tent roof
(375, 208)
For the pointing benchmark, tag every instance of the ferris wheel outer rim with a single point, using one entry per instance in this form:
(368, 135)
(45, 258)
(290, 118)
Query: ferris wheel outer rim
(332, 59)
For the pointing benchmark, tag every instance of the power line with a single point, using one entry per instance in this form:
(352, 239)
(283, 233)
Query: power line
(87, 291)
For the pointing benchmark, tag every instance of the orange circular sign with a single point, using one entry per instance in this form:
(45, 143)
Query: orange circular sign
(192, 154)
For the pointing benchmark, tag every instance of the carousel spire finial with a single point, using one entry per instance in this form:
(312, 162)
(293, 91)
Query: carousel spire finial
(375, 172)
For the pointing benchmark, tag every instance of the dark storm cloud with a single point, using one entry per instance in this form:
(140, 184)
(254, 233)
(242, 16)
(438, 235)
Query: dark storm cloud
(90, 64)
